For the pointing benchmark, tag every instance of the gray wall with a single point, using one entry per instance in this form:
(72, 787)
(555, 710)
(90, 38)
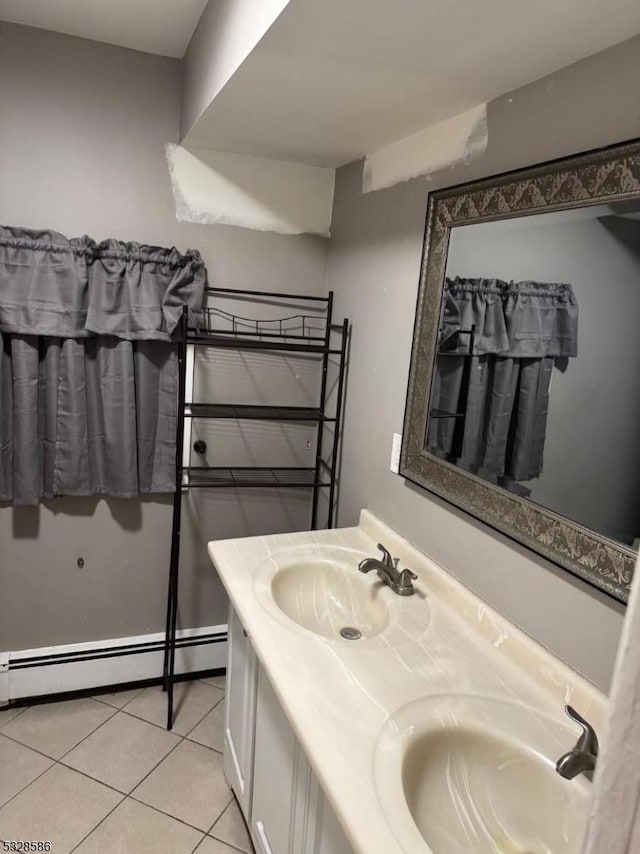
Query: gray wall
(591, 464)
(374, 263)
(82, 133)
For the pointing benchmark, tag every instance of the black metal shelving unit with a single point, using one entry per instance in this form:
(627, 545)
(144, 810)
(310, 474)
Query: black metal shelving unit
(298, 333)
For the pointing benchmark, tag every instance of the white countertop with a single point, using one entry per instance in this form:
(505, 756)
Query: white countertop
(339, 694)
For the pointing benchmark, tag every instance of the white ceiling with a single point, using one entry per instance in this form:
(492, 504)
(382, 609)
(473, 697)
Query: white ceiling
(154, 26)
(334, 80)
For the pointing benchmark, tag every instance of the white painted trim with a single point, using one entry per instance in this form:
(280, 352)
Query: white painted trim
(4, 678)
(82, 666)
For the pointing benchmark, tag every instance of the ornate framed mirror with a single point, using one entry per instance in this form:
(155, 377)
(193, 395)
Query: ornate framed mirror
(523, 403)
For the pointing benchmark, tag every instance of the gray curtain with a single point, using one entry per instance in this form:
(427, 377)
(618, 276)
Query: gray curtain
(88, 364)
(498, 344)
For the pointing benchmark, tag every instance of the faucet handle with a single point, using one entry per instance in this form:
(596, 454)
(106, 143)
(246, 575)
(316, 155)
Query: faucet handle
(404, 584)
(588, 741)
(386, 556)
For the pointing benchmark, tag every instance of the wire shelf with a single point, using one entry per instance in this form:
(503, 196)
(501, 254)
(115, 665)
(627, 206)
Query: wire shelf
(304, 328)
(210, 477)
(254, 413)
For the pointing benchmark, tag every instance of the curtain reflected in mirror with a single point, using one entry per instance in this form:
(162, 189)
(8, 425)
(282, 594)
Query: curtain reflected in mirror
(513, 399)
(498, 345)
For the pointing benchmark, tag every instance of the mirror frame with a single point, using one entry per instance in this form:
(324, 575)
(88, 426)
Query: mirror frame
(606, 175)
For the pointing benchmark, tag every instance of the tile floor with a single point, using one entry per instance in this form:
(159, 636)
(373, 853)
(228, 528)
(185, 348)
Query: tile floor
(102, 775)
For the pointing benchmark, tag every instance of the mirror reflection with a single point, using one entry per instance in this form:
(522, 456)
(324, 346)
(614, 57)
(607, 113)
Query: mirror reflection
(535, 387)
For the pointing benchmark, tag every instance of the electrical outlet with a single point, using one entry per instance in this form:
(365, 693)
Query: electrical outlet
(396, 445)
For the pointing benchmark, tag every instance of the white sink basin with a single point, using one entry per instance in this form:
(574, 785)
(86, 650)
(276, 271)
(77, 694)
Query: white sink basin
(323, 593)
(325, 598)
(458, 774)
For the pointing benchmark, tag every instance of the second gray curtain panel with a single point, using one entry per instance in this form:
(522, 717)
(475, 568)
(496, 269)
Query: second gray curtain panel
(91, 416)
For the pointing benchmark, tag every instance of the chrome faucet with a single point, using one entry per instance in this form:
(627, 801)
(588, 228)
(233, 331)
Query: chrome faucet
(582, 759)
(387, 568)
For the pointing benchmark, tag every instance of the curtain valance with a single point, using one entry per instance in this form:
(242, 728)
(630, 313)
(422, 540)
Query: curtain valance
(76, 288)
(517, 319)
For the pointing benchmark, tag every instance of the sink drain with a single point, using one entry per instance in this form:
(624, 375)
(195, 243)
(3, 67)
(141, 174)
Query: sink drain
(349, 633)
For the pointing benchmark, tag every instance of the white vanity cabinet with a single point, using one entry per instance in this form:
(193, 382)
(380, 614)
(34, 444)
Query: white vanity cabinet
(239, 713)
(278, 793)
(278, 778)
(289, 813)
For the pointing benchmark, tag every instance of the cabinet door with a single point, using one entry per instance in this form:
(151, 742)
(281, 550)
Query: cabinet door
(289, 813)
(239, 713)
(274, 773)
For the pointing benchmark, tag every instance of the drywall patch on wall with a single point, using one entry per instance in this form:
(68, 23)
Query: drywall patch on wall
(216, 187)
(459, 139)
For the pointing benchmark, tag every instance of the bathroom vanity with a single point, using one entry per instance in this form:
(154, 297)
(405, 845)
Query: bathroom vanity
(436, 729)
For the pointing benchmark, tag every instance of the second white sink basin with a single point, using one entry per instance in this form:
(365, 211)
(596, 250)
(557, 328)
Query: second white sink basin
(323, 593)
(458, 774)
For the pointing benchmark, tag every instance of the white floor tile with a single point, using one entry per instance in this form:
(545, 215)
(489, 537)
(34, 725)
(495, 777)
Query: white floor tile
(216, 681)
(61, 806)
(19, 766)
(230, 828)
(8, 713)
(122, 752)
(210, 730)
(134, 828)
(191, 702)
(119, 699)
(209, 845)
(189, 785)
(54, 728)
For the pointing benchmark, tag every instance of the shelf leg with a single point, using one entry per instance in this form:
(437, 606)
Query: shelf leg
(174, 566)
(323, 400)
(167, 632)
(336, 437)
(170, 646)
